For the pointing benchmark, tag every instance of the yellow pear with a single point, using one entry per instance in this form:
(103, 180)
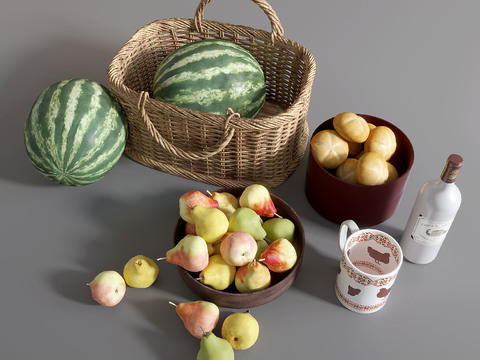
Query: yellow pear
(140, 272)
(218, 274)
(210, 223)
(240, 330)
(227, 202)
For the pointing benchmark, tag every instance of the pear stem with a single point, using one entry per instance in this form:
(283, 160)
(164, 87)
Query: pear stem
(172, 303)
(211, 195)
(190, 206)
(279, 216)
(162, 258)
(139, 262)
(263, 259)
(199, 278)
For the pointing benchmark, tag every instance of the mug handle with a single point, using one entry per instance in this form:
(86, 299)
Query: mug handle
(342, 235)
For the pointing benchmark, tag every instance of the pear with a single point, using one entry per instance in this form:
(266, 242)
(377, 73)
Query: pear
(277, 228)
(246, 219)
(140, 272)
(227, 202)
(192, 198)
(261, 246)
(252, 277)
(279, 256)
(191, 253)
(257, 197)
(214, 348)
(210, 223)
(198, 316)
(108, 288)
(240, 330)
(238, 248)
(218, 274)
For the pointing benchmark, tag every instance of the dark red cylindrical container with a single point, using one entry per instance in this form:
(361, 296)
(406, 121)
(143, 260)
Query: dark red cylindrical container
(337, 200)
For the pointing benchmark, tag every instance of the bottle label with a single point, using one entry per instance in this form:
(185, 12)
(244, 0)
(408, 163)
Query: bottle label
(430, 233)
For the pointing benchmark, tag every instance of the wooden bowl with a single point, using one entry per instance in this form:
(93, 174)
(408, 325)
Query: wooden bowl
(230, 297)
(337, 200)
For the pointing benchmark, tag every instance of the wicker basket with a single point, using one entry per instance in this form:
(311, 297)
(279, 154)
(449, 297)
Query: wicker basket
(219, 150)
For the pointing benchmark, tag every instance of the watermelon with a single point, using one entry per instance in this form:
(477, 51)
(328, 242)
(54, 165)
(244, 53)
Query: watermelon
(75, 132)
(211, 76)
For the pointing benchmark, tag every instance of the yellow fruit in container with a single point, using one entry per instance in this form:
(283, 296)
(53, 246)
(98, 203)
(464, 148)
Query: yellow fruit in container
(382, 141)
(372, 169)
(329, 148)
(392, 172)
(347, 171)
(351, 127)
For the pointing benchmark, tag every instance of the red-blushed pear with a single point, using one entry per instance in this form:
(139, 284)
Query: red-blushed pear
(252, 277)
(257, 197)
(191, 253)
(238, 248)
(108, 288)
(192, 198)
(279, 256)
(198, 316)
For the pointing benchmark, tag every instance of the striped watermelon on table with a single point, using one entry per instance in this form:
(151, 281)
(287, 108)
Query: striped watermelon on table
(211, 76)
(75, 132)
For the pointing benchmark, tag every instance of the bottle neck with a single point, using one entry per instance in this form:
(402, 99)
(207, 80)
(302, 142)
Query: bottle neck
(449, 173)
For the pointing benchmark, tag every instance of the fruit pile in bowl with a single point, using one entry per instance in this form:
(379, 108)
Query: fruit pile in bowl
(237, 247)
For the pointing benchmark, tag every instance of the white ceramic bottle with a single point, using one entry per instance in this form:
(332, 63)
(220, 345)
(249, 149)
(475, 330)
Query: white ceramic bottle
(432, 215)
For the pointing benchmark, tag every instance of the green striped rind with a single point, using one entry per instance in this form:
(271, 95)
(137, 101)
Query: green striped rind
(211, 76)
(75, 132)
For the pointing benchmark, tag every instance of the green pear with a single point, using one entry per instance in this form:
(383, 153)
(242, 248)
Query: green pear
(214, 348)
(140, 272)
(277, 228)
(252, 277)
(210, 223)
(218, 274)
(262, 244)
(247, 220)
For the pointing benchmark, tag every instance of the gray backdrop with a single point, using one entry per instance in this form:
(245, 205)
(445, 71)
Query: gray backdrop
(413, 63)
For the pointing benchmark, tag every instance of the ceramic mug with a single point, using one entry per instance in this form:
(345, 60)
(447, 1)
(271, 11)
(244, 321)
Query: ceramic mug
(369, 266)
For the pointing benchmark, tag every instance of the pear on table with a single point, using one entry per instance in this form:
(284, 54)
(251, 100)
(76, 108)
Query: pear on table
(198, 316)
(213, 347)
(241, 330)
(257, 197)
(218, 274)
(247, 220)
(238, 248)
(108, 288)
(140, 272)
(191, 199)
(252, 277)
(279, 256)
(191, 253)
(210, 223)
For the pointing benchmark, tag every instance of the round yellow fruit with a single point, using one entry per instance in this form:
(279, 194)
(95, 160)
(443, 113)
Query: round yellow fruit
(329, 148)
(351, 127)
(372, 169)
(140, 272)
(240, 330)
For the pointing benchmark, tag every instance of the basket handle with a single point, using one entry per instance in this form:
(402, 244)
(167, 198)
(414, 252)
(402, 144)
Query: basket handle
(277, 28)
(187, 155)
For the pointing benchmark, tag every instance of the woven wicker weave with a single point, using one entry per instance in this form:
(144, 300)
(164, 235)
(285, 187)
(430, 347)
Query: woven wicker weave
(219, 150)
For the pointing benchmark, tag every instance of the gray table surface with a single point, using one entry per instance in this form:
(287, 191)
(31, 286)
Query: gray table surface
(413, 63)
